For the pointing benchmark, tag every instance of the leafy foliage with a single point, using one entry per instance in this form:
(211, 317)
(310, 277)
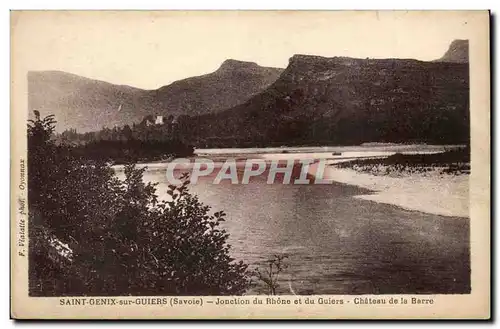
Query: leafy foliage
(117, 238)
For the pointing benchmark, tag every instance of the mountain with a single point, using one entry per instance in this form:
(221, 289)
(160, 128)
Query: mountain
(83, 103)
(315, 100)
(343, 101)
(458, 52)
(89, 105)
(232, 84)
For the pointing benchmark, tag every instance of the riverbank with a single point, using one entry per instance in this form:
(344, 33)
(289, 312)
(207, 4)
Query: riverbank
(427, 180)
(430, 192)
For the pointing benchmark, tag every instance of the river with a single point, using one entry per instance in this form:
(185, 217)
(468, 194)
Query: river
(335, 243)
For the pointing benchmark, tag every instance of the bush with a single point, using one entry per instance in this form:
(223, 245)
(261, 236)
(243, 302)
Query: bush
(92, 234)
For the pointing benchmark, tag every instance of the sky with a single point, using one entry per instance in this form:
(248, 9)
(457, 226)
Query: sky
(151, 49)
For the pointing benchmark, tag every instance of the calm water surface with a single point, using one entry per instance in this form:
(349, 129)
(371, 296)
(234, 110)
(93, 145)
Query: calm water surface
(338, 244)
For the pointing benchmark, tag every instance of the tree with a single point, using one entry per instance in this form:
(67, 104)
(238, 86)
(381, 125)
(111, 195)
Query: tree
(117, 238)
(127, 132)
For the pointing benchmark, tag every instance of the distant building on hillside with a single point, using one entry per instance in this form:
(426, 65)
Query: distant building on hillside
(159, 120)
(154, 120)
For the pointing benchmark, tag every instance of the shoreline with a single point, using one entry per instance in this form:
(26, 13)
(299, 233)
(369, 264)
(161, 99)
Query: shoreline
(444, 195)
(428, 191)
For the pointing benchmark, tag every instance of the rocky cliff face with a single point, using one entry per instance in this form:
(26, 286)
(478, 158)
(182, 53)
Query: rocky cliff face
(458, 52)
(348, 101)
(89, 105)
(315, 100)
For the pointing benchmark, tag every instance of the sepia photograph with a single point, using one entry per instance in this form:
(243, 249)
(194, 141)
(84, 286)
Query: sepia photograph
(254, 158)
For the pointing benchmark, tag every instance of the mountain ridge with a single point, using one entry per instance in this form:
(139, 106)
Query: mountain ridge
(458, 52)
(314, 100)
(88, 104)
(341, 100)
